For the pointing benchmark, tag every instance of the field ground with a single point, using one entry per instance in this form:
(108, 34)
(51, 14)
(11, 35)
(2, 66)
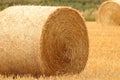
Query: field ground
(104, 56)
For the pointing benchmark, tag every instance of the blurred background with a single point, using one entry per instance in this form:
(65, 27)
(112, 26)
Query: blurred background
(88, 8)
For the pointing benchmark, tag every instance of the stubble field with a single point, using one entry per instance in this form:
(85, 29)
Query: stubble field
(104, 56)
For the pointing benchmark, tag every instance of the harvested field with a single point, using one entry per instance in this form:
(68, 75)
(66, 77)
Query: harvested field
(104, 58)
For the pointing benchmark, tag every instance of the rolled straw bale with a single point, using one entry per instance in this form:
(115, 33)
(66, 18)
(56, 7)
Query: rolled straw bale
(42, 40)
(109, 13)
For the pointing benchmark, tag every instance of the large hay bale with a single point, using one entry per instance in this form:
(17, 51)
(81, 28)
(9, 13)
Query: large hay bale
(109, 13)
(42, 40)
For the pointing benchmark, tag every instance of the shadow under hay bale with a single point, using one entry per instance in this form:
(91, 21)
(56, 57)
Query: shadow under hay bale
(42, 40)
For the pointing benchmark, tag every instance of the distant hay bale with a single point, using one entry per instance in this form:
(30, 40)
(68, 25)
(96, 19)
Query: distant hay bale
(109, 13)
(42, 40)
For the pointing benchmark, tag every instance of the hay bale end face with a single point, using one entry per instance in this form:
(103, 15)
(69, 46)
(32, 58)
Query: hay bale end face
(108, 13)
(42, 40)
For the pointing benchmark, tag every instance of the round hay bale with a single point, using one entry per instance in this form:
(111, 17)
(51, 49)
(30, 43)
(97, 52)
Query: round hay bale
(108, 13)
(42, 40)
